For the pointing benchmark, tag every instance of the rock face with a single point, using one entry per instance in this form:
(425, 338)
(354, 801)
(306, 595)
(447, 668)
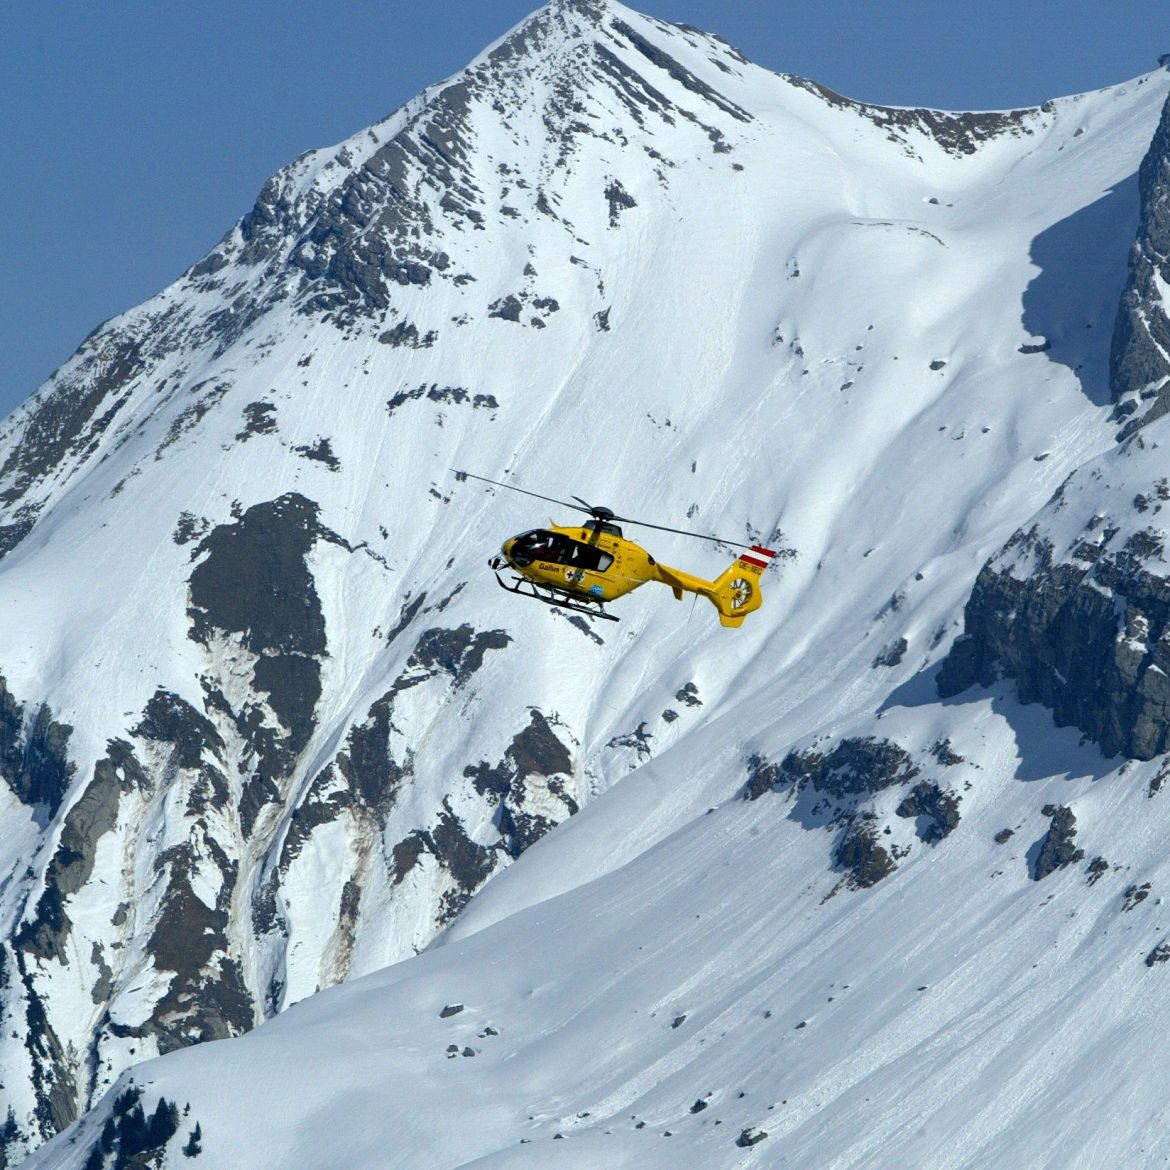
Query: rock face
(1076, 608)
(1058, 848)
(1139, 367)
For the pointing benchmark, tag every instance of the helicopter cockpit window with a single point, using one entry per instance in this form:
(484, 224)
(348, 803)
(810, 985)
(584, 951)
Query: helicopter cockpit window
(587, 557)
(557, 549)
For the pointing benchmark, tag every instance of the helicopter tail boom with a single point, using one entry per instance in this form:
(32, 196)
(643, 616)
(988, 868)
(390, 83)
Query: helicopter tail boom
(735, 592)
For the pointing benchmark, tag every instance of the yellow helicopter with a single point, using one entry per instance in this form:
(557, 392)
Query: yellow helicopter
(581, 567)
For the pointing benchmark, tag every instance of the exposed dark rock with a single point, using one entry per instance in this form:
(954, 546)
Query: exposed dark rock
(750, 1137)
(1158, 780)
(892, 654)
(1056, 633)
(459, 652)
(956, 133)
(506, 308)
(1134, 896)
(453, 395)
(532, 764)
(190, 527)
(936, 810)
(1058, 849)
(678, 72)
(452, 1009)
(320, 451)
(468, 863)
(206, 395)
(619, 200)
(368, 764)
(259, 419)
(292, 683)
(406, 854)
(1141, 334)
(170, 719)
(762, 777)
(207, 998)
(92, 816)
(12, 534)
(66, 420)
(324, 802)
(34, 754)
(253, 579)
(258, 790)
(1160, 953)
(406, 335)
(688, 695)
(638, 739)
(1096, 870)
(53, 1085)
(859, 853)
(945, 754)
(537, 751)
(1004, 836)
(854, 767)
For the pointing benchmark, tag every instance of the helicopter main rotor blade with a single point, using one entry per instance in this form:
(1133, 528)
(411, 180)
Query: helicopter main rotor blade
(684, 532)
(582, 506)
(523, 491)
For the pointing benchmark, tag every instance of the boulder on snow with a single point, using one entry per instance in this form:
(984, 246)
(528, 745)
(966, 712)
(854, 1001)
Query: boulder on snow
(1058, 847)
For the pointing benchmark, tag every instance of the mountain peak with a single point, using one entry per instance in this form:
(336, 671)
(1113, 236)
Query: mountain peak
(267, 724)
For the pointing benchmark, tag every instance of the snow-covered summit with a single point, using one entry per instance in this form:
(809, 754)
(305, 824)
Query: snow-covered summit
(267, 724)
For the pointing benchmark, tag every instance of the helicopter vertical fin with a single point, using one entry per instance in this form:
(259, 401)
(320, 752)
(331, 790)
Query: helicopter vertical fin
(734, 593)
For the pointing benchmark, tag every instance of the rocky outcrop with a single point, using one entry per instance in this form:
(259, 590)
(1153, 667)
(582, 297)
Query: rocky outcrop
(858, 853)
(957, 133)
(854, 767)
(835, 789)
(1085, 629)
(1058, 848)
(1139, 364)
(34, 753)
(935, 811)
(253, 584)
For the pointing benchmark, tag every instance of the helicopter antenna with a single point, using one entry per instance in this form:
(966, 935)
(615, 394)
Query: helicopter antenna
(604, 515)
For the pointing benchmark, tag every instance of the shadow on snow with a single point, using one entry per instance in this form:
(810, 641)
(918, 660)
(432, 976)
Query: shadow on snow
(1073, 300)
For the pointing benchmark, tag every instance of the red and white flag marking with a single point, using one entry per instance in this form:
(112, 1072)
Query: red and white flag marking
(760, 551)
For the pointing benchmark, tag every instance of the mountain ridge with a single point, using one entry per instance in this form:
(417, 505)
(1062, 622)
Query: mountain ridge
(289, 733)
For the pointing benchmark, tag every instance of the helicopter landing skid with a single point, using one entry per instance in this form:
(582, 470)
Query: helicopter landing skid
(591, 609)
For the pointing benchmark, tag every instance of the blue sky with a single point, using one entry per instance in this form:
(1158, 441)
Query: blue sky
(133, 134)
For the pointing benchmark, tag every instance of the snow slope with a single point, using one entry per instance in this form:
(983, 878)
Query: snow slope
(611, 259)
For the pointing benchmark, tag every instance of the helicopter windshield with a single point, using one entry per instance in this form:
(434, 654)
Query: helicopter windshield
(555, 547)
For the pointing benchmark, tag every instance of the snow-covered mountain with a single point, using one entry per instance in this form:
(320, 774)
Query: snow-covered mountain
(822, 891)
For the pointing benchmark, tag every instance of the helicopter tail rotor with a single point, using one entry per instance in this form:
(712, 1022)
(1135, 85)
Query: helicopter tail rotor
(734, 593)
(737, 589)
